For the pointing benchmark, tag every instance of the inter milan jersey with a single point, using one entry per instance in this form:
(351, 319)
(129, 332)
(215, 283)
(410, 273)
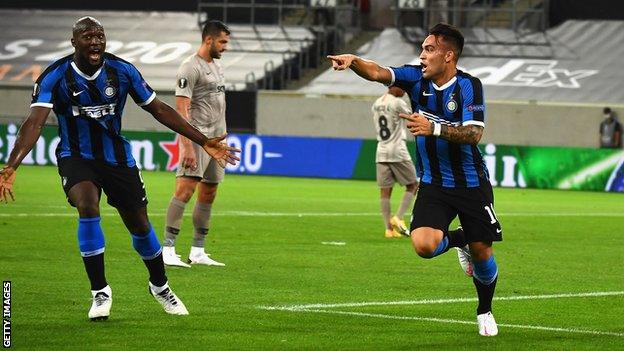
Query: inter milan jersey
(89, 108)
(458, 102)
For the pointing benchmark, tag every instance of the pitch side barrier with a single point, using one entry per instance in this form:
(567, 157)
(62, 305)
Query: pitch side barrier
(509, 166)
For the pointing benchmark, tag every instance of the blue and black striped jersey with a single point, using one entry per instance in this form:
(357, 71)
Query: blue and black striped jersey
(89, 108)
(458, 102)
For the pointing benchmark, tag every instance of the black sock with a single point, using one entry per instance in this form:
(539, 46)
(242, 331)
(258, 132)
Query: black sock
(94, 265)
(456, 238)
(486, 294)
(156, 269)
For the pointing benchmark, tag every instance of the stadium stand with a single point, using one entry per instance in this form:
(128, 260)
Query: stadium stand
(264, 57)
(574, 67)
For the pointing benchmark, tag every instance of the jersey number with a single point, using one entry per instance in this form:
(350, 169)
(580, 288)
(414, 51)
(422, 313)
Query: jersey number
(384, 132)
(490, 211)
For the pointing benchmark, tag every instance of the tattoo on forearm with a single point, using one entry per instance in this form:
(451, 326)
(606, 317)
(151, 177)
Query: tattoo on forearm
(470, 134)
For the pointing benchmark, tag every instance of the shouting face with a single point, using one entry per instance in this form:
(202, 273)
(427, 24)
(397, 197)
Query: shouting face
(89, 41)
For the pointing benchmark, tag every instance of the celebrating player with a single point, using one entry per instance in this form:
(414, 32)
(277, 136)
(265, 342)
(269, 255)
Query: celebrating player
(200, 99)
(392, 159)
(87, 91)
(448, 122)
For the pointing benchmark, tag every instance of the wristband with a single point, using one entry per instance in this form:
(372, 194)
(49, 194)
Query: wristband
(437, 129)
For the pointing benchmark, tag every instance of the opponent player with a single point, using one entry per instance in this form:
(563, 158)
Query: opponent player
(392, 158)
(200, 99)
(87, 91)
(448, 123)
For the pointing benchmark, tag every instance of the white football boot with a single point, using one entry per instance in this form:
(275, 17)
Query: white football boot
(170, 258)
(487, 324)
(198, 256)
(465, 260)
(102, 302)
(169, 301)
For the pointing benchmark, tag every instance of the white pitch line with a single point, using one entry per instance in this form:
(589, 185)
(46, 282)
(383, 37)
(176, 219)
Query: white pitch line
(457, 321)
(294, 308)
(72, 213)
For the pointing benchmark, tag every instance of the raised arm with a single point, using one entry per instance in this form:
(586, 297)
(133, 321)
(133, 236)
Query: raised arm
(27, 136)
(369, 70)
(166, 115)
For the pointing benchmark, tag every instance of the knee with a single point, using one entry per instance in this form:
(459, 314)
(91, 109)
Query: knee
(207, 194)
(423, 249)
(184, 194)
(88, 209)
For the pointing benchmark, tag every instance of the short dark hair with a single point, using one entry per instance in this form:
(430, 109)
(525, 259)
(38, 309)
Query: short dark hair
(214, 28)
(606, 110)
(450, 34)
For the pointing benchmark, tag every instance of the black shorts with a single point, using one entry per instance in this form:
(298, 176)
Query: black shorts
(436, 207)
(122, 185)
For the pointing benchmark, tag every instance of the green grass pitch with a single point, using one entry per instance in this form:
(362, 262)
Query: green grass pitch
(561, 280)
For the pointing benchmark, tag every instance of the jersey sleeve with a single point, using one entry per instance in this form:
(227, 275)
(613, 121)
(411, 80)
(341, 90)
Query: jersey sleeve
(186, 78)
(43, 94)
(405, 77)
(473, 106)
(141, 92)
(403, 107)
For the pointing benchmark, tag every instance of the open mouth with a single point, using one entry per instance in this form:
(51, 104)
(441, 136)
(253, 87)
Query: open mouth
(95, 55)
(424, 67)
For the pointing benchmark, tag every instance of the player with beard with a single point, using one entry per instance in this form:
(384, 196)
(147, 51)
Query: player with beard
(448, 122)
(200, 99)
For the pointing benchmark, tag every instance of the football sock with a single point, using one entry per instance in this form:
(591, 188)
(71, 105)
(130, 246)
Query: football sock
(451, 238)
(385, 210)
(149, 248)
(406, 202)
(201, 222)
(175, 211)
(456, 238)
(91, 243)
(146, 245)
(484, 278)
(156, 269)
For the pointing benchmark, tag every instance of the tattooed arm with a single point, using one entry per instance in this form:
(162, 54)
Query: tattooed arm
(419, 125)
(468, 134)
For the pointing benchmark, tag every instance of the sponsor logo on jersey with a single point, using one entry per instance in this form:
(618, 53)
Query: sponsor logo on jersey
(475, 108)
(95, 112)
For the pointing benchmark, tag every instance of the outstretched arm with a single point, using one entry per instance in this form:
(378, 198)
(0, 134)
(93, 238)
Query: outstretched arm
(366, 69)
(466, 134)
(27, 136)
(166, 115)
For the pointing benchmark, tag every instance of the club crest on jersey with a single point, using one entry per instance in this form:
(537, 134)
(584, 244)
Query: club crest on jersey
(182, 83)
(451, 105)
(109, 91)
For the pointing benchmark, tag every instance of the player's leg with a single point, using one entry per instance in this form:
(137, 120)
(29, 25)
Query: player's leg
(384, 203)
(385, 181)
(481, 228)
(81, 186)
(431, 217)
(184, 189)
(206, 194)
(405, 174)
(126, 192)
(484, 278)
